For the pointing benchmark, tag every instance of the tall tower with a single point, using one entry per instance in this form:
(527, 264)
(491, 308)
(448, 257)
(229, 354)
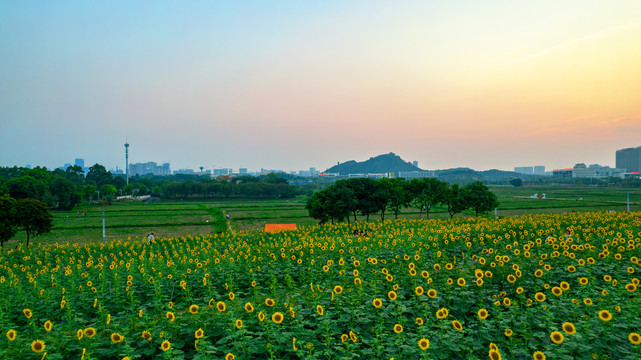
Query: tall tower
(127, 161)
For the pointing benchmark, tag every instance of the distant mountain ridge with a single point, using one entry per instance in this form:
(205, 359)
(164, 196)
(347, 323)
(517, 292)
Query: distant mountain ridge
(392, 163)
(385, 163)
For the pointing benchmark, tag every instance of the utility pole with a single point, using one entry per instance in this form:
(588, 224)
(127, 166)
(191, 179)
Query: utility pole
(127, 161)
(103, 227)
(628, 201)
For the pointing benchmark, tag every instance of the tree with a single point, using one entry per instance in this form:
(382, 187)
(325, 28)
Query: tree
(88, 192)
(119, 182)
(480, 198)
(394, 195)
(33, 216)
(64, 193)
(338, 201)
(427, 192)
(398, 195)
(3, 187)
(7, 219)
(26, 187)
(456, 199)
(98, 176)
(107, 192)
(516, 182)
(75, 174)
(316, 206)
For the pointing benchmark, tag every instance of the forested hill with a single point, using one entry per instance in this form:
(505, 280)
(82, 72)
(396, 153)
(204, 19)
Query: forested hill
(376, 165)
(467, 175)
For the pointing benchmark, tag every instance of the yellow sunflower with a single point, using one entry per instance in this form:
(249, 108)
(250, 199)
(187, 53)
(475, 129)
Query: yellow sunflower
(193, 309)
(569, 328)
(11, 335)
(482, 313)
(221, 306)
(249, 307)
(495, 355)
(605, 315)
(556, 337)
(377, 303)
(90, 332)
(278, 317)
(166, 345)
(38, 346)
(170, 315)
(538, 355)
(457, 325)
(116, 338)
(424, 344)
(398, 328)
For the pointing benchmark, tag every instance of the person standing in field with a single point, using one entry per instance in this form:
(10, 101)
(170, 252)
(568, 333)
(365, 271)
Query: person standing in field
(150, 238)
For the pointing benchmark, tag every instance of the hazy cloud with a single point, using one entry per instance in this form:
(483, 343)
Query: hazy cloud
(597, 35)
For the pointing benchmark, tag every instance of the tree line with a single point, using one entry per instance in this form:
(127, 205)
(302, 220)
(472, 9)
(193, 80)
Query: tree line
(64, 189)
(349, 198)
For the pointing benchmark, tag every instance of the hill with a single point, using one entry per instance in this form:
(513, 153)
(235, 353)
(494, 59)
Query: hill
(375, 165)
(467, 175)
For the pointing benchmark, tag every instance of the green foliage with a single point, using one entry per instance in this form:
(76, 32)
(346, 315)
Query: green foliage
(33, 217)
(427, 192)
(8, 226)
(107, 192)
(98, 176)
(480, 198)
(27, 187)
(456, 199)
(64, 193)
(516, 182)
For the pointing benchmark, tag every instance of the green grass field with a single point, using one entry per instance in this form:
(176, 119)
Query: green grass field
(182, 218)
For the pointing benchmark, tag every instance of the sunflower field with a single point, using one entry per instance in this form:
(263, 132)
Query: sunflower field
(526, 287)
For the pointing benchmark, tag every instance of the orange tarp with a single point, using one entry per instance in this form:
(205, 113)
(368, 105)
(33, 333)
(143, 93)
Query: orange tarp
(279, 227)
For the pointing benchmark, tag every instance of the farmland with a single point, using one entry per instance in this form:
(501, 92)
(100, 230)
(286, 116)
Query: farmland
(555, 286)
(131, 220)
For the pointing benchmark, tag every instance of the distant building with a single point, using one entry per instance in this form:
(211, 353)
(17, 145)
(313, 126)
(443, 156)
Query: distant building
(408, 175)
(530, 170)
(582, 171)
(242, 171)
(562, 173)
(629, 159)
(149, 168)
(415, 163)
(539, 170)
(79, 162)
(184, 171)
(221, 172)
(525, 170)
(371, 176)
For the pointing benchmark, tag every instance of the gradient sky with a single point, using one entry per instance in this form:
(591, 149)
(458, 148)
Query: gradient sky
(293, 84)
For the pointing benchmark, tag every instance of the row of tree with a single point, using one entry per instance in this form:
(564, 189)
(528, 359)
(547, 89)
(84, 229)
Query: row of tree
(268, 186)
(64, 189)
(351, 197)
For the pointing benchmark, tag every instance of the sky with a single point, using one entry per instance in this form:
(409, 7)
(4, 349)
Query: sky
(297, 84)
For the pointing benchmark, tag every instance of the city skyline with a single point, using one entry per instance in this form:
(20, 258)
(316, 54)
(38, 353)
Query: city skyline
(292, 85)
